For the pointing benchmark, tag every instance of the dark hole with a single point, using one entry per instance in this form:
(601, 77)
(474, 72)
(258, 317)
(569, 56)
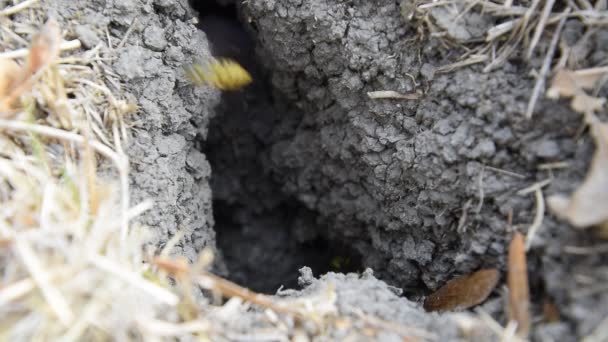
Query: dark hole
(263, 235)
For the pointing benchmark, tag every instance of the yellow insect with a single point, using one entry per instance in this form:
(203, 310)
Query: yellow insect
(223, 74)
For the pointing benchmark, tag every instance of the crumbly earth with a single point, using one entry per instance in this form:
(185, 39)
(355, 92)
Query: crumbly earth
(399, 181)
(165, 165)
(422, 189)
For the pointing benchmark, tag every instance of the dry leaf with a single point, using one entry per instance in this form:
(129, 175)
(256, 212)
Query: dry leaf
(567, 83)
(517, 281)
(587, 78)
(562, 85)
(583, 103)
(463, 292)
(588, 205)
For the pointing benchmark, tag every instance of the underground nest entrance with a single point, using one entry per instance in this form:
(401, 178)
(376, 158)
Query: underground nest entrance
(263, 235)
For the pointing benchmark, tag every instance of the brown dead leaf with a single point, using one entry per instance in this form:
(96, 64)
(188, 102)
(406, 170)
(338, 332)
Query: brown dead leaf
(517, 281)
(588, 205)
(463, 292)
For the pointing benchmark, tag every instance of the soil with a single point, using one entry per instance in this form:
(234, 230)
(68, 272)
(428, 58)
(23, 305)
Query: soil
(306, 170)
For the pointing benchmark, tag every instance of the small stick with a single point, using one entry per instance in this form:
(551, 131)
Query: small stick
(540, 82)
(538, 217)
(230, 289)
(534, 187)
(20, 53)
(517, 281)
(18, 7)
(506, 172)
(469, 61)
(554, 165)
(391, 94)
(127, 34)
(540, 27)
(481, 193)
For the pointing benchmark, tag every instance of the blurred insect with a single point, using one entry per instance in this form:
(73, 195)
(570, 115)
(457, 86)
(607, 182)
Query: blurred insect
(223, 74)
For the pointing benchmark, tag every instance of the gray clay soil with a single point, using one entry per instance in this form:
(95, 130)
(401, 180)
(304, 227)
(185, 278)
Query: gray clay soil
(304, 155)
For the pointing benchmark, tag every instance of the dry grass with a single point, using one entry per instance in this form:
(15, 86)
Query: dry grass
(518, 29)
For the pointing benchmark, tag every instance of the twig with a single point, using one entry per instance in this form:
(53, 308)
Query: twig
(538, 217)
(469, 61)
(534, 187)
(499, 30)
(229, 289)
(463, 218)
(554, 165)
(20, 53)
(10, 292)
(519, 291)
(127, 34)
(506, 172)
(540, 26)
(540, 81)
(18, 7)
(481, 193)
(391, 94)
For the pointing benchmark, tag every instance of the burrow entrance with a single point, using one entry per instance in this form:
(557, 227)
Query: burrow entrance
(263, 235)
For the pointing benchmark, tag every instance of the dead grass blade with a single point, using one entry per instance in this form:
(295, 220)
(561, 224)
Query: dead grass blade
(540, 81)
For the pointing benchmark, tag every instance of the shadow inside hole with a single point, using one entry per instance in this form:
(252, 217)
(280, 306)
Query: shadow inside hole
(264, 236)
